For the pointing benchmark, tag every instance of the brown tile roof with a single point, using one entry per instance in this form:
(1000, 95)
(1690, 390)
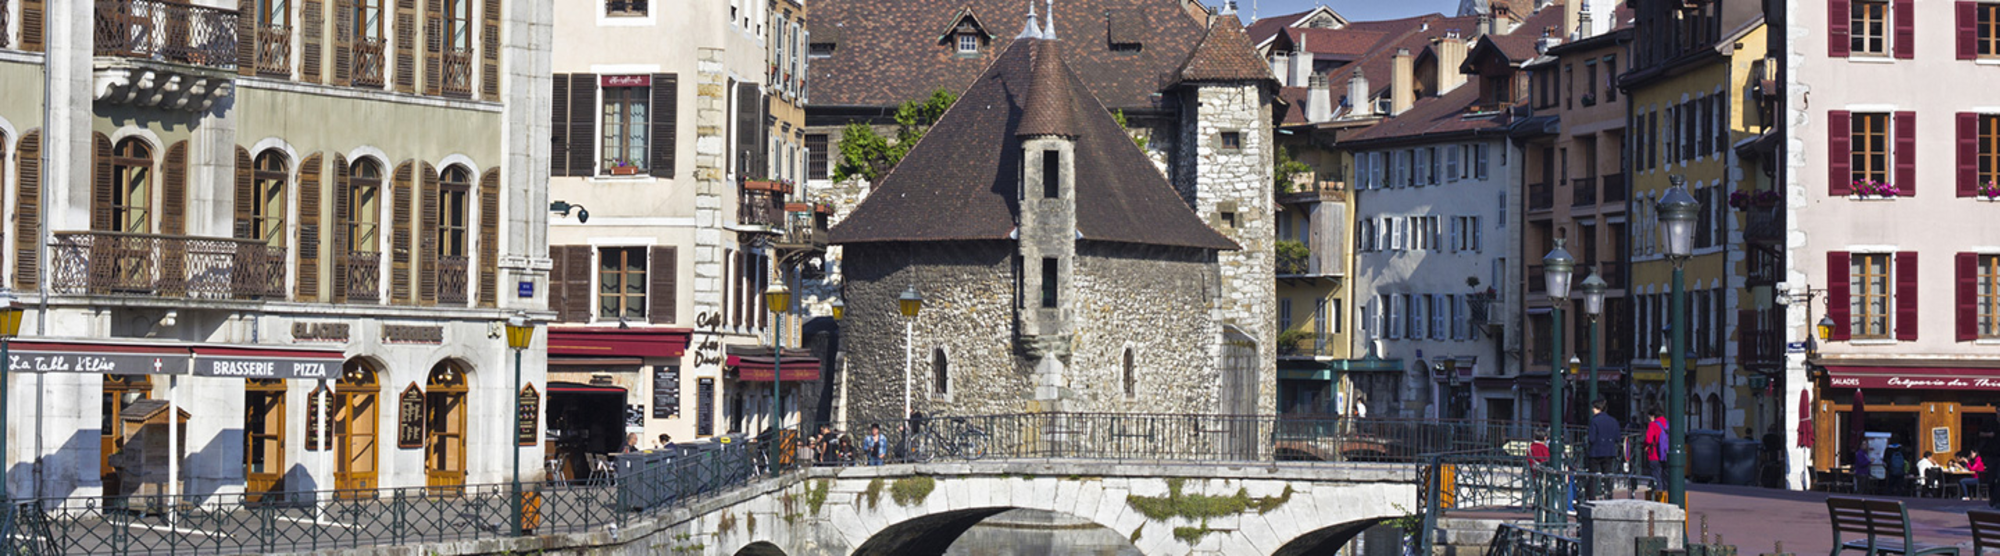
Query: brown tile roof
(1434, 116)
(1519, 46)
(1264, 28)
(1048, 108)
(1340, 44)
(960, 182)
(886, 53)
(1225, 54)
(1377, 63)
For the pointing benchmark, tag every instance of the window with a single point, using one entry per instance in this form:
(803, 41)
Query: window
(1131, 375)
(451, 211)
(1868, 283)
(1868, 24)
(819, 50)
(1285, 314)
(1988, 295)
(1479, 162)
(364, 198)
(1394, 328)
(1569, 91)
(1988, 155)
(1869, 147)
(369, 44)
(817, 157)
(624, 125)
(940, 371)
(1986, 29)
(132, 193)
(1051, 274)
(1590, 83)
(1051, 174)
(1610, 78)
(1232, 140)
(625, 7)
(1319, 324)
(1419, 312)
(1337, 320)
(968, 43)
(621, 282)
(267, 205)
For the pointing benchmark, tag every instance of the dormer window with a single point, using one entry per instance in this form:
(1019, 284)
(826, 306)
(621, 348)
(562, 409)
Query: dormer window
(968, 43)
(819, 50)
(965, 34)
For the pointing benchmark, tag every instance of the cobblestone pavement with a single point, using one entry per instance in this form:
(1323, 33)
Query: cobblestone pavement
(1754, 519)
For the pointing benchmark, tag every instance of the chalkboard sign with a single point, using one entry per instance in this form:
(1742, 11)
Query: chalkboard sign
(1941, 440)
(666, 391)
(410, 418)
(704, 407)
(315, 405)
(528, 430)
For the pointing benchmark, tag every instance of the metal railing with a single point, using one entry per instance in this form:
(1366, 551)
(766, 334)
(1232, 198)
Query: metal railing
(370, 59)
(1541, 196)
(1314, 345)
(1516, 540)
(118, 263)
(804, 228)
(4, 20)
(274, 51)
(362, 276)
(457, 77)
(1583, 192)
(1294, 263)
(452, 279)
(759, 207)
(167, 31)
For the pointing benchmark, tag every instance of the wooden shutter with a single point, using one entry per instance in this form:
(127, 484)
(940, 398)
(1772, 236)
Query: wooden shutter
(661, 295)
(102, 189)
(399, 229)
(1837, 292)
(575, 284)
(1968, 154)
(427, 242)
(28, 211)
(489, 238)
(1839, 153)
(246, 37)
(1904, 14)
(1906, 296)
(489, 35)
(309, 229)
(246, 194)
(582, 124)
(558, 286)
(749, 132)
(666, 115)
(173, 190)
(34, 25)
(343, 191)
(434, 47)
(559, 124)
(406, 46)
(1967, 314)
(1906, 152)
(1967, 29)
(343, 41)
(312, 31)
(1836, 28)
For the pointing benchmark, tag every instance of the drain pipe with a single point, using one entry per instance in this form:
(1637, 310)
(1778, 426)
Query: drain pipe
(42, 256)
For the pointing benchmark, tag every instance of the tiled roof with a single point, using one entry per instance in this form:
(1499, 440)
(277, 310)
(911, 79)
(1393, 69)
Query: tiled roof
(1434, 115)
(1377, 63)
(1341, 44)
(886, 52)
(1225, 54)
(961, 181)
(1264, 28)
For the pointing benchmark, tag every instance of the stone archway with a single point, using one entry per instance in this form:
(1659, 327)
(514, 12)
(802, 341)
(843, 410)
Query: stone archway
(933, 534)
(761, 548)
(1325, 540)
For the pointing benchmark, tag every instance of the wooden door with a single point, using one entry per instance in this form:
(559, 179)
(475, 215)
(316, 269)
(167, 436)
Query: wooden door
(119, 391)
(356, 420)
(444, 429)
(263, 437)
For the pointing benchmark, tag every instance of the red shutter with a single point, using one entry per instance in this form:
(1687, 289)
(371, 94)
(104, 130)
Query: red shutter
(1836, 28)
(1968, 296)
(1906, 296)
(1968, 34)
(1968, 154)
(1905, 14)
(1836, 295)
(1839, 155)
(1906, 152)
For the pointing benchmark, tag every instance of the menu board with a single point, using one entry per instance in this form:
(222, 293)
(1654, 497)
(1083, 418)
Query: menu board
(527, 428)
(666, 391)
(410, 418)
(315, 428)
(704, 407)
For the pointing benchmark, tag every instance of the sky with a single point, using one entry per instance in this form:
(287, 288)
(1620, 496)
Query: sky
(1353, 10)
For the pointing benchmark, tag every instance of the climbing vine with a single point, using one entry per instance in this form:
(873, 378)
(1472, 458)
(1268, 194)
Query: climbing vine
(874, 493)
(1202, 506)
(816, 495)
(911, 491)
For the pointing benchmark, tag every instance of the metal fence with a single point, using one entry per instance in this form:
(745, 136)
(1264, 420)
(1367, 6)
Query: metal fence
(1516, 540)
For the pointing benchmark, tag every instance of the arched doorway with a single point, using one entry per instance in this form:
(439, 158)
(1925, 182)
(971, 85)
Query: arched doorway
(444, 426)
(356, 422)
(119, 392)
(263, 436)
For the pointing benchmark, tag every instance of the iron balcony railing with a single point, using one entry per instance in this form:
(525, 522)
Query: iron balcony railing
(457, 77)
(167, 31)
(805, 228)
(362, 276)
(760, 207)
(369, 61)
(274, 51)
(452, 279)
(1583, 192)
(1541, 196)
(1312, 345)
(4, 20)
(118, 263)
(1614, 188)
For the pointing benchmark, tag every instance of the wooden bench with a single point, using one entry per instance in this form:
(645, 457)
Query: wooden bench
(1884, 524)
(1985, 530)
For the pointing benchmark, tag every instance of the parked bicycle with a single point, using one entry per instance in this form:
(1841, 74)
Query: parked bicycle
(964, 441)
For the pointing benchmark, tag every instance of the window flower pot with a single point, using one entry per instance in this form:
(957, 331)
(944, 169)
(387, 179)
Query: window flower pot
(625, 170)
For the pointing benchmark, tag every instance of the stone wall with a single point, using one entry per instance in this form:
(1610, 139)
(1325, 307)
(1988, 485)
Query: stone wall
(1156, 301)
(968, 291)
(1230, 188)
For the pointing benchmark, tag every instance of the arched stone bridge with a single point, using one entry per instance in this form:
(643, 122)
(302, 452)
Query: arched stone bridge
(915, 509)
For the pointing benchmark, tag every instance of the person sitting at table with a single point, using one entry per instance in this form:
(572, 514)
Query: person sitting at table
(1974, 465)
(1925, 482)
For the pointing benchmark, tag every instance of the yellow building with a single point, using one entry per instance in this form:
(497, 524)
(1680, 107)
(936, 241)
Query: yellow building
(1313, 257)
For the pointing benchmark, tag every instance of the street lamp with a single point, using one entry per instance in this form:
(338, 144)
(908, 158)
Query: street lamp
(1677, 214)
(1824, 328)
(520, 333)
(10, 325)
(839, 309)
(1556, 268)
(777, 299)
(910, 302)
(1593, 306)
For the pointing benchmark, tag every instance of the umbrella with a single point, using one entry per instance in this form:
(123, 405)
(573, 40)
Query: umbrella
(1855, 421)
(1806, 431)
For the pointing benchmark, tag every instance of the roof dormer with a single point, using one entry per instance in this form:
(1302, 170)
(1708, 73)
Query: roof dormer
(966, 36)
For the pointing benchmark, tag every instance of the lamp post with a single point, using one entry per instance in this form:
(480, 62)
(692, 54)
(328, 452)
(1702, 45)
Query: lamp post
(778, 299)
(909, 303)
(520, 333)
(1556, 267)
(1677, 211)
(10, 325)
(1593, 306)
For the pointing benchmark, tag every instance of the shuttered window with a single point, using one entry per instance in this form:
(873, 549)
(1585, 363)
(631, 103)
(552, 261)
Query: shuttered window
(1978, 155)
(489, 237)
(131, 196)
(569, 288)
(1987, 276)
(27, 211)
(309, 229)
(624, 125)
(1868, 27)
(1870, 297)
(363, 207)
(1868, 154)
(621, 283)
(1978, 28)
(445, 261)
(267, 203)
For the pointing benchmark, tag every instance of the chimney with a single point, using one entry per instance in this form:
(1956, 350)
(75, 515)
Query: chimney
(1450, 55)
(1049, 30)
(1550, 38)
(1302, 67)
(1359, 103)
(1572, 11)
(1281, 65)
(1319, 101)
(1485, 26)
(1402, 83)
(1584, 27)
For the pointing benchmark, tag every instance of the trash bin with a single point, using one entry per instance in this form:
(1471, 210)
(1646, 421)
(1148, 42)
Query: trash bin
(1704, 455)
(1739, 461)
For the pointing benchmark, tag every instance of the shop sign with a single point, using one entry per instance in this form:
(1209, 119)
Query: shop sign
(1915, 383)
(704, 407)
(410, 418)
(319, 331)
(411, 334)
(527, 424)
(106, 363)
(1941, 440)
(265, 367)
(315, 427)
(666, 391)
(625, 80)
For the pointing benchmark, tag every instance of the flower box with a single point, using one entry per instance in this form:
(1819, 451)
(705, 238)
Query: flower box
(625, 170)
(1867, 189)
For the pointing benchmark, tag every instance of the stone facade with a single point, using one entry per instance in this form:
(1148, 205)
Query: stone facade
(1230, 188)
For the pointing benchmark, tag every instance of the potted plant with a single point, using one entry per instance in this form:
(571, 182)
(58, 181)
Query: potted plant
(1765, 198)
(623, 168)
(1739, 199)
(1870, 188)
(1990, 190)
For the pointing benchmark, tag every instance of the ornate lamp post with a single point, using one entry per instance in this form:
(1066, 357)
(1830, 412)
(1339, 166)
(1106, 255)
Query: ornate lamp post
(1556, 267)
(1593, 306)
(910, 303)
(1678, 211)
(778, 299)
(520, 333)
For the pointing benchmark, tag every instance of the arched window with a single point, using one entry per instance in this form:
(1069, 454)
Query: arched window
(1694, 412)
(1131, 375)
(940, 367)
(364, 206)
(455, 185)
(1715, 410)
(132, 187)
(267, 205)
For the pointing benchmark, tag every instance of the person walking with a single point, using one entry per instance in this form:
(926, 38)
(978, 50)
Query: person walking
(875, 444)
(1656, 447)
(1602, 442)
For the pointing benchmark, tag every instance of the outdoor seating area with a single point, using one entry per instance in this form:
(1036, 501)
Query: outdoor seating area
(1881, 526)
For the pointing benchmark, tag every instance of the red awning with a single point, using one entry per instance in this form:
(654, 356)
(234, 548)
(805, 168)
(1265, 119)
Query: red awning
(758, 369)
(573, 361)
(1915, 378)
(575, 388)
(607, 341)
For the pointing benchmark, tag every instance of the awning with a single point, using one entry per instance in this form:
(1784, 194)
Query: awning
(1915, 378)
(573, 361)
(611, 341)
(576, 388)
(758, 369)
(137, 358)
(256, 362)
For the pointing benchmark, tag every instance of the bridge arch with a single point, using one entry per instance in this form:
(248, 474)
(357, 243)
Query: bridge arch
(1325, 540)
(760, 548)
(934, 533)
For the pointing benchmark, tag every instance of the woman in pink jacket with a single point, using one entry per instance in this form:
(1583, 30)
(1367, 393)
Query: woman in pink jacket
(1656, 446)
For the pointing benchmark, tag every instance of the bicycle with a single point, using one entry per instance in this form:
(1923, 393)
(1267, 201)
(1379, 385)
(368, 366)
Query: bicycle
(967, 442)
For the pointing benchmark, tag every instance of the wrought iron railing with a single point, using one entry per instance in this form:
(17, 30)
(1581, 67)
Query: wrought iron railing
(805, 228)
(452, 279)
(363, 277)
(167, 31)
(760, 207)
(1583, 192)
(274, 51)
(1541, 196)
(1312, 345)
(4, 20)
(118, 263)
(1518, 540)
(369, 61)
(457, 77)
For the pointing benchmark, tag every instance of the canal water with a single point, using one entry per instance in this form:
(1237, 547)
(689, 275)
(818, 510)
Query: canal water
(1039, 533)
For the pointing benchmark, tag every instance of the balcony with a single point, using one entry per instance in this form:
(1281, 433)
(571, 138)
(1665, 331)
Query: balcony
(1541, 196)
(1583, 192)
(762, 204)
(1766, 225)
(452, 280)
(157, 53)
(805, 226)
(456, 80)
(1307, 344)
(152, 265)
(369, 60)
(1614, 189)
(1757, 341)
(274, 52)
(1306, 190)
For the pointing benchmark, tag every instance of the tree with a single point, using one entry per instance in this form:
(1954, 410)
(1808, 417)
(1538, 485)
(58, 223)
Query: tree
(868, 155)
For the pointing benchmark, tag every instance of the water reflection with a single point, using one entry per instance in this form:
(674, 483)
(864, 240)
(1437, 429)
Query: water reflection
(1039, 533)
